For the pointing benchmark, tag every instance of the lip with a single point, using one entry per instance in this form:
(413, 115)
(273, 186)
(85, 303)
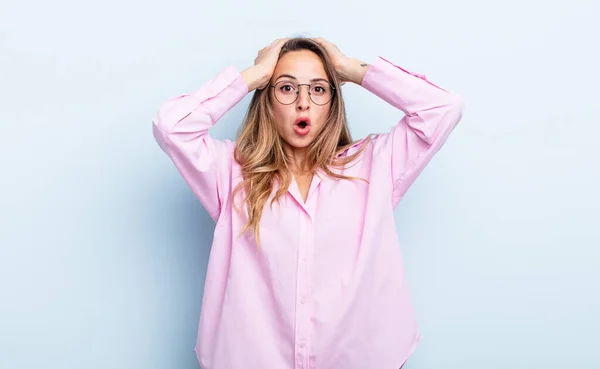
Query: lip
(302, 119)
(302, 131)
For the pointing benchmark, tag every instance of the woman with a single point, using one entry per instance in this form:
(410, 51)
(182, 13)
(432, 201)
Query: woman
(305, 270)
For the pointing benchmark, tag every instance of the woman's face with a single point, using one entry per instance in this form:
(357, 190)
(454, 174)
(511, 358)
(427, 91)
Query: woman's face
(299, 122)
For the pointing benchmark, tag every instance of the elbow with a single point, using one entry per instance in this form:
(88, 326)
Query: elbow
(437, 128)
(453, 111)
(159, 133)
(458, 104)
(162, 121)
(172, 112)
(163, 125)
(451, 118)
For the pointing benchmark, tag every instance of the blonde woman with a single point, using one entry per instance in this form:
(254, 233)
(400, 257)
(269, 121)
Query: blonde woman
(305, 270)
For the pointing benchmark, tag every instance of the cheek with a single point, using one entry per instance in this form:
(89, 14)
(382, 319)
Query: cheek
(278, 112)
(281, 116)
(321, 116)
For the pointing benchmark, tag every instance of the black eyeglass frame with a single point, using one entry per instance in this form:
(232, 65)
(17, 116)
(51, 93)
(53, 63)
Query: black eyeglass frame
(309, 94)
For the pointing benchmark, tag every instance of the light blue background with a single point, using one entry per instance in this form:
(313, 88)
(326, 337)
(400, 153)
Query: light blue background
(104, 248)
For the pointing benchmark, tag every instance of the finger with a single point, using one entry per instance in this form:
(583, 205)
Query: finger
(273, 43)
(278, 43)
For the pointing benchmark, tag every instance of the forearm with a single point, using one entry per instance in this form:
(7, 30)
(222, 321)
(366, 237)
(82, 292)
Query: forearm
(411, 92)
(192, 114)
(354, 70)
(255, 78)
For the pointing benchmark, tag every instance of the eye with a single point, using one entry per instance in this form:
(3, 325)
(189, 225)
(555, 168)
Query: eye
(286, 87)
(319, 89)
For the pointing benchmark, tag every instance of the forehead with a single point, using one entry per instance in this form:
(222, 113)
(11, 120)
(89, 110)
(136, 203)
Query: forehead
(304, 65)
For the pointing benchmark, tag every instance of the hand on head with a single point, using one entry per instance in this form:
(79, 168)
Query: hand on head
(259, 75)
(266, 60)
(339, 60)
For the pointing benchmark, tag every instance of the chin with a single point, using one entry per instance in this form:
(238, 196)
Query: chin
(299, 142)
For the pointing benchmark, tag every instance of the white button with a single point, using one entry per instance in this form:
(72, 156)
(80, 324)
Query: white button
(304, 258)
(302, 345)
(303, 301)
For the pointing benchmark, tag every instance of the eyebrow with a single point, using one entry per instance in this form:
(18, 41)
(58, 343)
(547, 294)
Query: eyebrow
(292, 77)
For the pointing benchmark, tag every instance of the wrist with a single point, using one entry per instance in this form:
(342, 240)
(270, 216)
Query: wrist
(354, 70)
(255, 77)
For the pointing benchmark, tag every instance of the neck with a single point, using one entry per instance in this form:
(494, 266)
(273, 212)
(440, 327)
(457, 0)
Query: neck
(297, 160)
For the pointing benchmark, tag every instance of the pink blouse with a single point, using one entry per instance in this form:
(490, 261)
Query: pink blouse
(326, 289)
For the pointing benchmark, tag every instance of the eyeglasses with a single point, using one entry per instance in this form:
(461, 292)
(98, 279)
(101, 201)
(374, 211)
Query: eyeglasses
(320, 92)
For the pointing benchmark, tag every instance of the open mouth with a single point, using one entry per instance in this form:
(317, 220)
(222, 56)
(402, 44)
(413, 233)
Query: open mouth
(302, 126)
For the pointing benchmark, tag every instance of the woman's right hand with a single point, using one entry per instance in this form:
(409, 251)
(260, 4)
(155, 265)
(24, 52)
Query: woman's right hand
(259, 75)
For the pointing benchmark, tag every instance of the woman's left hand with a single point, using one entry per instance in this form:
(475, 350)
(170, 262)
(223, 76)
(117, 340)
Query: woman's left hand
(349, 69)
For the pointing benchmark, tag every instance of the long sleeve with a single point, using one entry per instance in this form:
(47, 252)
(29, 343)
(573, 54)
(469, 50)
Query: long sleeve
(181, 129)
(431, 113)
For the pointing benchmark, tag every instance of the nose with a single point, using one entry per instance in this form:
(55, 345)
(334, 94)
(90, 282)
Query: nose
(303, 102)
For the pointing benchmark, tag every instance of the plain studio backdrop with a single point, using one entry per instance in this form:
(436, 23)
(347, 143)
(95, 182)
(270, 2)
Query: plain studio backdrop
(104, 248)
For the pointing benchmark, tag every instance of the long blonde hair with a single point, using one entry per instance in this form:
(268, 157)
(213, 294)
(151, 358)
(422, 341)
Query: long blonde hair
(259, 148)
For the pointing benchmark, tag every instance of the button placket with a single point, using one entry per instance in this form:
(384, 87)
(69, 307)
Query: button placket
(309, 281)
(302, 293)
(304, 279)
